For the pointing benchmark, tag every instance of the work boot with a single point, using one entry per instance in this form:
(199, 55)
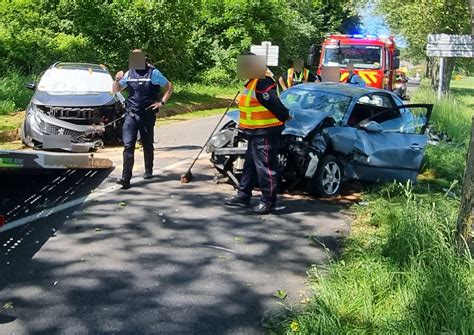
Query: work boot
(148, 175)
(262, 209)
(124, 182)
(237, 201)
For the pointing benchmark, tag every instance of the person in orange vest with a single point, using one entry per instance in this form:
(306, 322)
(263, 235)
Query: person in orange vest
(296, 75)
(262, 119)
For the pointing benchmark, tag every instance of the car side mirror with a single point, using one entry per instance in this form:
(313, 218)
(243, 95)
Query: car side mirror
(31, 86)
(372, 127)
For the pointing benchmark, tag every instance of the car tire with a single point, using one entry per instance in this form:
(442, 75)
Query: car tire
(327, 180)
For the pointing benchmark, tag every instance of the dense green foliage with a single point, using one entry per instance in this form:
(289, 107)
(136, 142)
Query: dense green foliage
(188, 40)
(400, 272)
(438, 17)
(415, 19)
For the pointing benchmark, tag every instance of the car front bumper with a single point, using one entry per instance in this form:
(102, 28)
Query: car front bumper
(46, 132)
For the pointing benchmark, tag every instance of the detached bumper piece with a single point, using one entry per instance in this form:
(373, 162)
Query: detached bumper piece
(19, 161)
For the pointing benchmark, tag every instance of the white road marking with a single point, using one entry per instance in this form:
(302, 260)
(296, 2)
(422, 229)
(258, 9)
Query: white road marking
(84, 199)
(218, 248)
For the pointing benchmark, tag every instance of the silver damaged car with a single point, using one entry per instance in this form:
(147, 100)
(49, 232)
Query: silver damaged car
(73, 109)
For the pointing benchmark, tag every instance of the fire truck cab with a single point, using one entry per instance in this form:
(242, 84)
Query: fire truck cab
(375, 59)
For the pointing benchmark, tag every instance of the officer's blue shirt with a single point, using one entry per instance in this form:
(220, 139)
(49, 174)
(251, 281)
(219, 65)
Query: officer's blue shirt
(357, 80)
(157, 78)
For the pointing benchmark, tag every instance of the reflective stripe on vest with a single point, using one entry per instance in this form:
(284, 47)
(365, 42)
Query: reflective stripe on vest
(303, 77)
(253, 114)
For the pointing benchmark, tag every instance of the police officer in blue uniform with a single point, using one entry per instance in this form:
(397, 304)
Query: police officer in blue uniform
(144, 84)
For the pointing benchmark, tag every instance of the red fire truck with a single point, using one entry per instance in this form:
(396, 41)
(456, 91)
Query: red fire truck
(375, 59)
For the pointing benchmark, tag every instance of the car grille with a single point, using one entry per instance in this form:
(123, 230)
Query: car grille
(71, 113)
(76, 136)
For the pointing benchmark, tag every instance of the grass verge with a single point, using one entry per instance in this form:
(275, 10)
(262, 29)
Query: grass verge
(399, 272)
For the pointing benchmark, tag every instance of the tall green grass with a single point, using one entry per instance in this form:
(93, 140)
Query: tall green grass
(13, 94)
(400, 272)
(453, 114)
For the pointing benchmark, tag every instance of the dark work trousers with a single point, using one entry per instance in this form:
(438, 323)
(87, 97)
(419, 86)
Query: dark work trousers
(143, 122)
(261, 168)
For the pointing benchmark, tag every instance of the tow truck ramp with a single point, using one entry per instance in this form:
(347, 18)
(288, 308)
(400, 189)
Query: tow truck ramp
(26, 160)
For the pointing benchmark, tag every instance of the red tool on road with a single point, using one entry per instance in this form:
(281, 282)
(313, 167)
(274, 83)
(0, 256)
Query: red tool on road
(188, 176)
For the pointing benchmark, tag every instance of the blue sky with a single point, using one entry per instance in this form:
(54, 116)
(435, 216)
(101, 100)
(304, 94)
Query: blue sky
(373, 24)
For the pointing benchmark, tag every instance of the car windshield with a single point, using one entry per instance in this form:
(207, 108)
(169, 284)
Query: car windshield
(362, 56)
(312, 101)
(66, 80)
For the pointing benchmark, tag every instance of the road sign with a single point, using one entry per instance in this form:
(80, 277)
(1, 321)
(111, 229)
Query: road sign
(443, 45)
(271, 52)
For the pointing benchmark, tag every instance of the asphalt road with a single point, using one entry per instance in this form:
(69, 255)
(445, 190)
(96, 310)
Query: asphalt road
(160, 258)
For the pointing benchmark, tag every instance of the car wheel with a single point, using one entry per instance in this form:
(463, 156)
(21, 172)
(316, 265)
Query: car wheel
(327, 179)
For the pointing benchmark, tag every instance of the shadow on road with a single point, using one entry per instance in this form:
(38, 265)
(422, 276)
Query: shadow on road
(22, 195)
(163, 257)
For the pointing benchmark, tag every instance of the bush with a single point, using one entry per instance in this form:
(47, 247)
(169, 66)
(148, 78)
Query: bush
(13, 94)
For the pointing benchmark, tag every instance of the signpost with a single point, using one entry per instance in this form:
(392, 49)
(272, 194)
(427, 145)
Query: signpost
(271, 52)
(443, 45)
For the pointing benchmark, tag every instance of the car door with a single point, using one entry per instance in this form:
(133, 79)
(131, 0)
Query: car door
(391, 143)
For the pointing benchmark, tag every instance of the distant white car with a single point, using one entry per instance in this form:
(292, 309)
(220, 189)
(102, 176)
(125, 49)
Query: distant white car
(71, 104)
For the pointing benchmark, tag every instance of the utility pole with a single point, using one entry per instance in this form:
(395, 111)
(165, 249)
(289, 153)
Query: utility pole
(466, 209)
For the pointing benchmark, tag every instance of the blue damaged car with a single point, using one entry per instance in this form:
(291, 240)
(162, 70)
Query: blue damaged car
(338, 132)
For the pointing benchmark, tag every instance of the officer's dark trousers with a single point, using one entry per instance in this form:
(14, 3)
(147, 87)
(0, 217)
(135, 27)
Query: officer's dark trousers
(143, 122)
(261, 168)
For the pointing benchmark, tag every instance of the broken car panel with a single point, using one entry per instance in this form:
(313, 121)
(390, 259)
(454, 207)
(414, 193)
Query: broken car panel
(338, 132)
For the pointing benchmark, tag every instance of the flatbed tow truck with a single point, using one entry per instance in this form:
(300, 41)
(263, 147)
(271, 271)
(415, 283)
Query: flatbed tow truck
(15, 164)
(28, 160)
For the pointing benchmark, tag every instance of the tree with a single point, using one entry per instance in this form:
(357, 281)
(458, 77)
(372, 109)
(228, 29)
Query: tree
(187, 40)
(415, 19)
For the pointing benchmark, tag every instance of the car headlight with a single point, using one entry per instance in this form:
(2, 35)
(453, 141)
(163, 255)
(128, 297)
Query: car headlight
(219, 140)
(35, 115)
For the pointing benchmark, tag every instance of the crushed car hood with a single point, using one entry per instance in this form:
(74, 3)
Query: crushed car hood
(73, 100)
(301, 124)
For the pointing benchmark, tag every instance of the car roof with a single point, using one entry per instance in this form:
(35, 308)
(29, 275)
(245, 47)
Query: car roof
(339, 88)
(79, 66)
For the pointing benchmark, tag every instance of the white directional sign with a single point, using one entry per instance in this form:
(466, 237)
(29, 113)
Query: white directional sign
(443, 45)
(271, 52)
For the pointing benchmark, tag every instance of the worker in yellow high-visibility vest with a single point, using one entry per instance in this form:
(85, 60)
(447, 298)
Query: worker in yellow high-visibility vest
(297, 74)
(262, 118)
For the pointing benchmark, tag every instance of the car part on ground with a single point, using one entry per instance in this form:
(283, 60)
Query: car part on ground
(338, 132)
(71, 105)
